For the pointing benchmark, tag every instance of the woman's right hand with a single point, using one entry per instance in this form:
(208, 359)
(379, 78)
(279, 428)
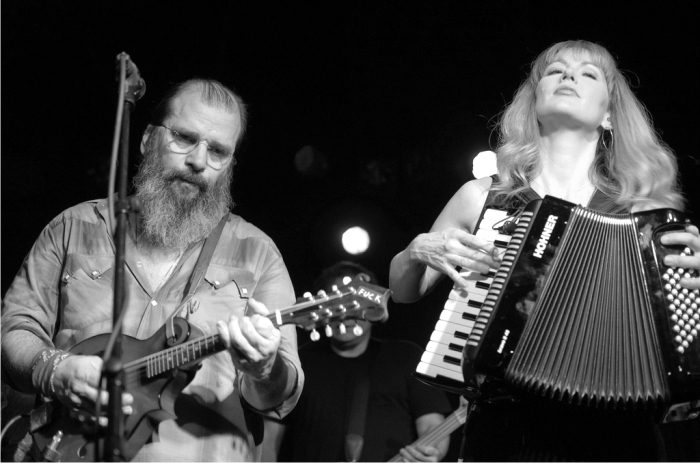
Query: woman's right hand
(446, 249)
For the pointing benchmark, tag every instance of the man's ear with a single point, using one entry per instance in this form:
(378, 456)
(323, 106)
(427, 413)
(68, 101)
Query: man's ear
(146, 135)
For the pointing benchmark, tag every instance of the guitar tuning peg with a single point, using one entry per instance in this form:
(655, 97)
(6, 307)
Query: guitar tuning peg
(329, 331)
(322, 293)
(357, 330)
(334, 288)
(341, 328)
(314, 335)
(308, 295)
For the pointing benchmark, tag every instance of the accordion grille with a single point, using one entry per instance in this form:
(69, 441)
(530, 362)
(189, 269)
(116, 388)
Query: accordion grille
(591, 334)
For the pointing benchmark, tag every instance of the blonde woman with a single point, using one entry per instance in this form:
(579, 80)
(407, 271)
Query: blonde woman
(574, 130)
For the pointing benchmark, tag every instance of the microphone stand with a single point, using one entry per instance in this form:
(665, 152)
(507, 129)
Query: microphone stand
(133, 89)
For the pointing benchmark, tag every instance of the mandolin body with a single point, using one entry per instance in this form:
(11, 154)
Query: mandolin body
(154, 397)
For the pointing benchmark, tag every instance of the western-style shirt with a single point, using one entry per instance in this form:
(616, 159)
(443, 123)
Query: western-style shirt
(64, 295)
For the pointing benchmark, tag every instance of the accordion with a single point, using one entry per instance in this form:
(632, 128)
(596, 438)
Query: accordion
(583, 309)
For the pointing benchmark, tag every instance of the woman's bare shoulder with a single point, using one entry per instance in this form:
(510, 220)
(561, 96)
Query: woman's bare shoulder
(464, 208)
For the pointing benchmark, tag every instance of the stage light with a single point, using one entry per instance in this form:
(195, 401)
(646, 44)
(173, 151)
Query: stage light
(484, 164)
(355, 240)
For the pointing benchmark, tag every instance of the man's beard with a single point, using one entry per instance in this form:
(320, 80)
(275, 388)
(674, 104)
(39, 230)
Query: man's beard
(169, 219)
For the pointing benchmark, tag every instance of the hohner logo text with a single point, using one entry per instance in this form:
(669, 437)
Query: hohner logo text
(546, 234)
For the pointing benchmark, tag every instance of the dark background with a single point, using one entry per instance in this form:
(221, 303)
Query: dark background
(397, 95)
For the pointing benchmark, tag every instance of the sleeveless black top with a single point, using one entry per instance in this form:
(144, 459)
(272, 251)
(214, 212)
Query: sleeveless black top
(534, 428)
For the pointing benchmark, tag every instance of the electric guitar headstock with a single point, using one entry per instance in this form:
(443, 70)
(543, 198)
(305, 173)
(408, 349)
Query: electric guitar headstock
(358, 300)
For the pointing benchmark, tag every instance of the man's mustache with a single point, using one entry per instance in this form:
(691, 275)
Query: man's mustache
(176, 174)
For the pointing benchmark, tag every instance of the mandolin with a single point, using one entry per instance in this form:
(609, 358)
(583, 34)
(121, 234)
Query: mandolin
(157, 369)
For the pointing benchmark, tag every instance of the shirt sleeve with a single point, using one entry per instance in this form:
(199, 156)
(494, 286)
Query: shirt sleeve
(275, 290)
(31, 302)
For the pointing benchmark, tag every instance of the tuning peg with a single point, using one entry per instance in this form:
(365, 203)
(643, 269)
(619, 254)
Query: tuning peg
(334, 288)
(357, 330)
(341, 328)
(308, 295)
(329, 331)
(322, 293)
(314, 335)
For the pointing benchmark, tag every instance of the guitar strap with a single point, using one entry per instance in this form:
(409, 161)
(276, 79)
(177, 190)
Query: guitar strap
(198, 273)
(354, 438)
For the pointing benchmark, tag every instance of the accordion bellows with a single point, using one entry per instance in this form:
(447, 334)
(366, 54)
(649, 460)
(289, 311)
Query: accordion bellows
(582, 309)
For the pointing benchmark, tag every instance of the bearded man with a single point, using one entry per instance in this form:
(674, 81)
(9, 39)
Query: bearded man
(63, 293)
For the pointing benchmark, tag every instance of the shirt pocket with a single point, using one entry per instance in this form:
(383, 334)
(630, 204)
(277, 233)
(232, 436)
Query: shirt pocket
(86, 290)
(234, 281)
(224, 292)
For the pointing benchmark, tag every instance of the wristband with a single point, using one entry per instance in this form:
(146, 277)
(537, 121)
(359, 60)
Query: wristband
(44, 369)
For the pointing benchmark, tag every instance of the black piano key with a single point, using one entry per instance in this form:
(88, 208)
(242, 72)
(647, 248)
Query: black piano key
(455, 347)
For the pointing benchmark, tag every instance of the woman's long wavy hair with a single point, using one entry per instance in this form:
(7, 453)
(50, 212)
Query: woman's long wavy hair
(638, 171)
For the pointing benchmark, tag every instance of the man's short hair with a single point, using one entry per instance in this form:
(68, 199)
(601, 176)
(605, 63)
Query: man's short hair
(213, 93)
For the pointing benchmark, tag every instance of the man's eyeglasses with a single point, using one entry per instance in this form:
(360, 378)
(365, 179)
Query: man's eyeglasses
(183, 144)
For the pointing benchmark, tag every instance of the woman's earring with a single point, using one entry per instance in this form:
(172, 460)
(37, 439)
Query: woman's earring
(607, 145)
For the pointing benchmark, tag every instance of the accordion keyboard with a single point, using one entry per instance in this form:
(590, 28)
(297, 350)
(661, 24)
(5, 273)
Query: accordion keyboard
(440, 363)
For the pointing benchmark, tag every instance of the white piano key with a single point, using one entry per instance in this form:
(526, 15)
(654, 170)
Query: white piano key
(439, 360)
(491, 217)
(462, 307)
(456, 318)
(447, 339)
(493, 236)
(458, 331)
(434, 370)
(465, 297)
(444, 349)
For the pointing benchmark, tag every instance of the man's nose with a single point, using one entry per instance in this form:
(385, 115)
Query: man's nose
(197, 158)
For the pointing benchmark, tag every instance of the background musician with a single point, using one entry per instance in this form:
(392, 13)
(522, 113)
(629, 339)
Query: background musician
(574, 130)
(399, 408)
(63, 292)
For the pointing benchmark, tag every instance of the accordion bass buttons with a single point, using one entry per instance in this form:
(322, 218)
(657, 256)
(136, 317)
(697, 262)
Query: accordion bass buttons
(683, 306)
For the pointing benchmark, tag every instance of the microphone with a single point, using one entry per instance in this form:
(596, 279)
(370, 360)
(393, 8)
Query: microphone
(509, 227)
(135, 86)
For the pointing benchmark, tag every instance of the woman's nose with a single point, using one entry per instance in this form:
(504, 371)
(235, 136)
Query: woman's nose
(568, 74)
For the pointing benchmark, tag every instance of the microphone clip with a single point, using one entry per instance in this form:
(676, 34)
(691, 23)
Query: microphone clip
(507, 226)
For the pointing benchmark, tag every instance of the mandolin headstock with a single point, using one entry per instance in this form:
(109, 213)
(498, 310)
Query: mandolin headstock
(358, 300)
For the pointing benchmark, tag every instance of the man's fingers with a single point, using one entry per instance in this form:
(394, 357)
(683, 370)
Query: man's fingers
(256, 307)
(234, 338)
